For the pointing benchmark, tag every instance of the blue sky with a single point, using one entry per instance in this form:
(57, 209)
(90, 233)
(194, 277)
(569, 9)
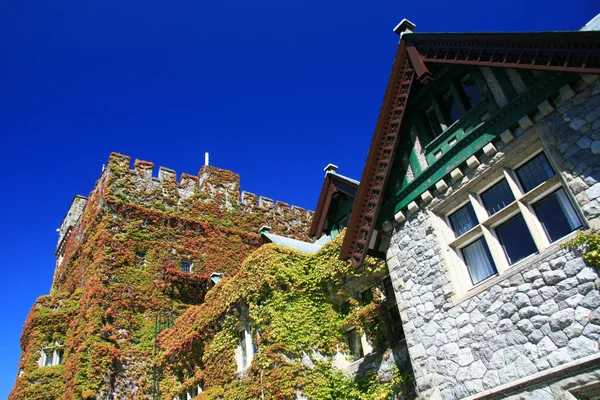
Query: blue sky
(274, 90)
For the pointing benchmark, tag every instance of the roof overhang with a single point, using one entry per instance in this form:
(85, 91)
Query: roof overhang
(577, 52)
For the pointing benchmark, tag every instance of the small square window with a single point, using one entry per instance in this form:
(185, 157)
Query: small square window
(557, 215)
(186, 267)
(479, 261)
(516, 239)
(366, 296)
(463, 220)
(534, 172)
(497, 197)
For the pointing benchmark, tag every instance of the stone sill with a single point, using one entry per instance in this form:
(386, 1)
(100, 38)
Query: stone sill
(517, 268)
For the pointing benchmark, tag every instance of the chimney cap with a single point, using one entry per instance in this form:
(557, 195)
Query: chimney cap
(404, 26)
(330, 168)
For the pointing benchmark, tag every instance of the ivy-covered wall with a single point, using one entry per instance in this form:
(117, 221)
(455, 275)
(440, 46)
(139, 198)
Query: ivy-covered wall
(121, 263)
(291, 301)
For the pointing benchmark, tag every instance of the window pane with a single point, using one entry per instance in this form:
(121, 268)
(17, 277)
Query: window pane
(463, 220)
(479, 261)
(434, 122)
(450, 107)
(534, 172)
(49, 360)
(557, 215)
(516, 239)
(366, 296)
(186, 267)
(497, 197)
(471, 91)
(242, 335)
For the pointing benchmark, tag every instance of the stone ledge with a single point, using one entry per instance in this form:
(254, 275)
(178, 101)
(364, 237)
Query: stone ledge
(563, 371)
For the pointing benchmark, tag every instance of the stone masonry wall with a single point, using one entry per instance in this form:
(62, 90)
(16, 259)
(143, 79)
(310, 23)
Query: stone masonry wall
(538, 315)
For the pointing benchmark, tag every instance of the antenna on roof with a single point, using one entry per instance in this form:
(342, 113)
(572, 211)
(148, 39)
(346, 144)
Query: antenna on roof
(206, 159)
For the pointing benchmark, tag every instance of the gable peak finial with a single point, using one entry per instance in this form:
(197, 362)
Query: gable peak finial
(405, 26)
(330, 168)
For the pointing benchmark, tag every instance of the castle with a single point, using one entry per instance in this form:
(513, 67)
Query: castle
(468, 252)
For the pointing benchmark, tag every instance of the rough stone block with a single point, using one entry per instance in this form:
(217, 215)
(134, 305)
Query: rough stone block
(442, 186)
(566, 92)
(589, 78)
(400, 217)
(456, 174)
(507, 136)
(525, 122)
(489, 149)
(426, 196)
(545, 108)
(473, 162)
(412, 207)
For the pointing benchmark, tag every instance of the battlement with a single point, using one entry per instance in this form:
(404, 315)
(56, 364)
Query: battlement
(139, 184)
(71, 218)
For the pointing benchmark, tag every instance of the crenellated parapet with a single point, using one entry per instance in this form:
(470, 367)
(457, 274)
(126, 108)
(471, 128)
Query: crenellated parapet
(214, 195)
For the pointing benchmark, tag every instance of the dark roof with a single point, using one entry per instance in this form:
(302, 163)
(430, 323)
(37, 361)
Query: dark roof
(333, 183)
(555, 51)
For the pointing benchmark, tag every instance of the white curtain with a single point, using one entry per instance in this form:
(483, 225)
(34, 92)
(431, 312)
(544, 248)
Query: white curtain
(478, 262)
(567, 209)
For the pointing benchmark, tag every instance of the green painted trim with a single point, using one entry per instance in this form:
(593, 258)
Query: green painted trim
(474, 141)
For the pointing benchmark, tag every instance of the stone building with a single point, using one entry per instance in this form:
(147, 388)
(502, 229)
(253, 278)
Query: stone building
(484, 162)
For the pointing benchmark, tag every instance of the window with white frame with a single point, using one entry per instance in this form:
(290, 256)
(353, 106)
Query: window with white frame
(50, 357)
(246, 348)
(186, 267)
(190, 393)
(522, 212)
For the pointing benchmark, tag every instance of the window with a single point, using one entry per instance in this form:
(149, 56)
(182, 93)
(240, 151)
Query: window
(246, 350)
(534, 172)
(516, 240)
(557, 224)
(186, 267)
(518, 216)
(50, 357)
(463, 220)
(366, 296)
(497, 197)
(479, 261)
(354, 343)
